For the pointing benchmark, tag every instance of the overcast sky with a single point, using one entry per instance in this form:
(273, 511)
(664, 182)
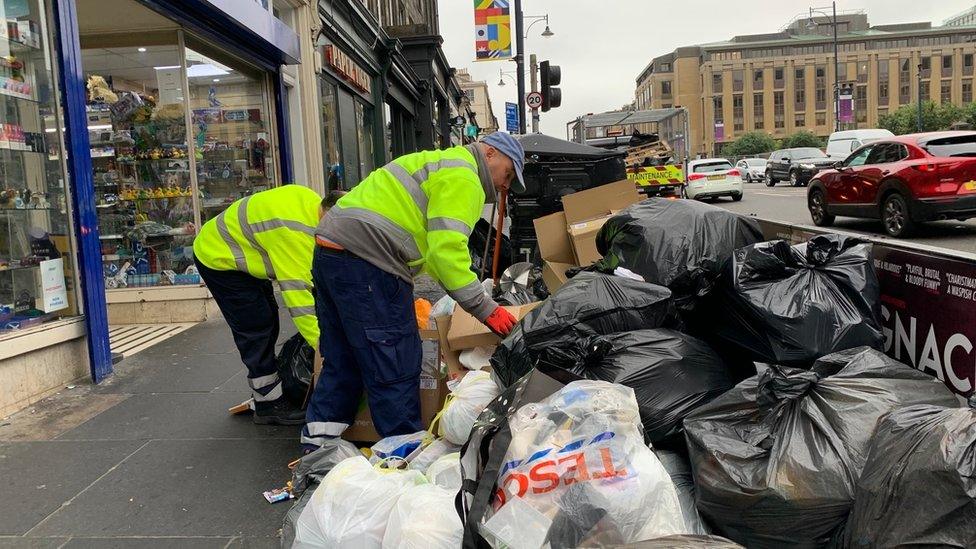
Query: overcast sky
(603, 45)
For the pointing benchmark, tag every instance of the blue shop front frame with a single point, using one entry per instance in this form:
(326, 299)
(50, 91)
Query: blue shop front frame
(241, 27)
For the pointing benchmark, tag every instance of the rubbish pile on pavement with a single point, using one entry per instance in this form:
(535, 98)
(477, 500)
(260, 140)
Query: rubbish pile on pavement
(736, 394)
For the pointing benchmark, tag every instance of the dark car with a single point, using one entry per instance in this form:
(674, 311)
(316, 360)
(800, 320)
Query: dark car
(798, 166)
(902, 181)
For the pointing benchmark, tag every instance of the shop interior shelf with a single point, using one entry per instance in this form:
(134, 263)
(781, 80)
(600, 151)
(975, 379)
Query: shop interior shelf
(47, 209)
(12, 149)
(110, 237)
(20, 96)
(18, 268)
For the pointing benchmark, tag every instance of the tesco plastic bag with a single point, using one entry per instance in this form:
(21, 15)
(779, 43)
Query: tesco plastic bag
(352, 506)
(776, 458)
(578, 462)
(918, 488)
(399, 446)
(464, 405)
(446, 472)
(424, 518)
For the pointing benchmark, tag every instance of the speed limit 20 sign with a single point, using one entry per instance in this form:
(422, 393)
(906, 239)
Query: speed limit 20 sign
(534, 100)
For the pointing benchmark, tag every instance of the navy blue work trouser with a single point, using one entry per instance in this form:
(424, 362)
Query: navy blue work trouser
(249, 307)
(369, 340)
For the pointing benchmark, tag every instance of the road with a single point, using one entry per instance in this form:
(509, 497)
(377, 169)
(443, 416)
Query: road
(788, 204)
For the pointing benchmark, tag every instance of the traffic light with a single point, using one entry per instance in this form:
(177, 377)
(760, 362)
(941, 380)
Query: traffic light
(550, 75)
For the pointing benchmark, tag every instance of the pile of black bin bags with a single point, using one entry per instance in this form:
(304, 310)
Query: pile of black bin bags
(827, 443)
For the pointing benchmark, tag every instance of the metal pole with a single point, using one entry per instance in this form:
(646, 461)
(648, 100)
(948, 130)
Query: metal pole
(534, 79)
(520, 63)
(836, 75)
(918, 114)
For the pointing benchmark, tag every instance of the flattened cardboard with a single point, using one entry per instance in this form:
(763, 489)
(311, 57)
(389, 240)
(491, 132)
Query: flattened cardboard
(467, 332)
(554, 274)
(554, 244)
(599, 201)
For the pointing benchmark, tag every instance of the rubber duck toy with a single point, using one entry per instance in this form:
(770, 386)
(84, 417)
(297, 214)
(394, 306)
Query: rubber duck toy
(158, 193)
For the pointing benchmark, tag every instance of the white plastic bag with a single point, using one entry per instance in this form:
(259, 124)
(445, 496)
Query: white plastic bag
(351, 507)
(424, 518)
(478, 358)
(437, 449)
(578, 459)
(399, 446)
(443, 307)
(446, 472)
(465, 404)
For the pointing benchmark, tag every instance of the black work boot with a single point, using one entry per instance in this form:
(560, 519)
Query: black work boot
(278, 412)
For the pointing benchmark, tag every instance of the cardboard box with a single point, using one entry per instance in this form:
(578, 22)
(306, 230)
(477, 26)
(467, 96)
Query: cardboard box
(467, 332)
(433, 391)
(568, 238)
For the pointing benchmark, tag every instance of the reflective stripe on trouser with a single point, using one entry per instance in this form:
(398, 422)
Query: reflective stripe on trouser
(369, 340)
(265, 388)
(317, 432)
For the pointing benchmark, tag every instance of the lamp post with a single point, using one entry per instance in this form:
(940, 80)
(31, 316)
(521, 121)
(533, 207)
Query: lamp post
(918, 114)
(812, 25)
(521, 33)
(502, 74)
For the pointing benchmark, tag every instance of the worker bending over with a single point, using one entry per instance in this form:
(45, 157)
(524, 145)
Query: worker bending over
(267, 236)
(413, 214)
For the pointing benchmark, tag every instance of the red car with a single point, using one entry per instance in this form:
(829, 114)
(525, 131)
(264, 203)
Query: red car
(902, 181)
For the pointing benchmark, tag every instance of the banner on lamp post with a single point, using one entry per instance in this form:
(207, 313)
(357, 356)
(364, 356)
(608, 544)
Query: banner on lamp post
(493, 30)
(719, 132)
(845, 105)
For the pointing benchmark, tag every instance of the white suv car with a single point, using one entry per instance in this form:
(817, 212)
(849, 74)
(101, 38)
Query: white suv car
(712, 178)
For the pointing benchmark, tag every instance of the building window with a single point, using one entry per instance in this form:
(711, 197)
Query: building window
(842, 73)
(757, 111)
(757, 79)
(800, 99)
(779, 78)
(716, 82)
(820, 90)
(967, 91)
(665, 89)
(779, 115)
(821, 119)
(665, 67)
(945, 93)
(861, 104)
(883, 81)
(737, 77)
(862, 71)
(799, 120)
(717, 114)
(924, 91)
(738, 117)
(800, 74)
(967, 64)
(331, 155)
(946, 65)
(364, 124)
(926, 67)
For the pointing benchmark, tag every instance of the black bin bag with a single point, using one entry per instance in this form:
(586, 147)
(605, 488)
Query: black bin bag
(672, 374)
(790, 305)
(294, 363)
(680, 244)
(918, 487)
(588, 304)
(776, 458)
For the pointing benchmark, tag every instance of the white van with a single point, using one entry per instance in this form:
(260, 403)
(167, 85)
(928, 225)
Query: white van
(841, 144)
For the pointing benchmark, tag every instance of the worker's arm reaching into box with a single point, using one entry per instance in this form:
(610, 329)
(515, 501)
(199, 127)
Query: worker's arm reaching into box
(456, 201)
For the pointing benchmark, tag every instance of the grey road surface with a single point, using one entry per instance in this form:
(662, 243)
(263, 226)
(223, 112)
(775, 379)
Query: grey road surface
(788, 204)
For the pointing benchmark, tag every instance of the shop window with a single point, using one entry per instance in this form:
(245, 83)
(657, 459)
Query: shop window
(36, 267)
(150, 203)
(364, 125)
(331, 154)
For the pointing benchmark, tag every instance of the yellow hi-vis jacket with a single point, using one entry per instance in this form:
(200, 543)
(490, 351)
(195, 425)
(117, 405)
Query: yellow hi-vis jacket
(269, 235)
(416, 214)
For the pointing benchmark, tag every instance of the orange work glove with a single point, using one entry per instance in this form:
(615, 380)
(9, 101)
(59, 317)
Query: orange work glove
(500, 321)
